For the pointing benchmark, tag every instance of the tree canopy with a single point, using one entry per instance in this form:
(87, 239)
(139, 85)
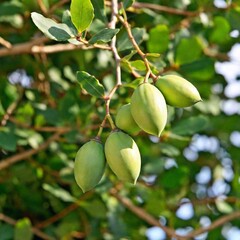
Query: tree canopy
(67, 67)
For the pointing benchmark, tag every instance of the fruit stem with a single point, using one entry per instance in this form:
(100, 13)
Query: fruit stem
(109, 118)
(147, 76)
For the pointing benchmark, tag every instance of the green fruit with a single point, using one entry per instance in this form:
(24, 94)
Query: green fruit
(89, 165)
(148, 108)
(123, 156)
(125, 121)
(177, 91)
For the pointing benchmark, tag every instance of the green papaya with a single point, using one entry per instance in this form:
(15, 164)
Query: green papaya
(89, 165)
(177, 91)
(149, 109)
(123, 156)
(125, 121)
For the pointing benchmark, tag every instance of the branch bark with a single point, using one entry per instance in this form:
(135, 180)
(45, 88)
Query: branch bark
(165, 9)
(21, 156)
(36, 46)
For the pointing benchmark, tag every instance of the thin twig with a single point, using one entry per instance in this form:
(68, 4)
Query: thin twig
(165, 9)
(42, 6)
(5, 43)
(135, 45)
(35, 230)
(64, 212)
(219, 222)
(117, 58)
(11, 109)
(21, 156)
(57, 5)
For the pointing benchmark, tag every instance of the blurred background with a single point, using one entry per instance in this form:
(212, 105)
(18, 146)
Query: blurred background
(189, 177)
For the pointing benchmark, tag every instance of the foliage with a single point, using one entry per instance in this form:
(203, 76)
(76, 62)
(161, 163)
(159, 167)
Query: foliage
(56, 96)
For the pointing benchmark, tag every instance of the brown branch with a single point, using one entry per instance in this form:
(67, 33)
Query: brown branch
(5, 43)
(42, 6)
(21, 156)
(34, 47)
(219, 222)
(11, 109)
(164, 9)
(142, 214)
(57, 5)
(219, 56)
(35, 230)
(22, 47)
(64, 212)
(135, 45)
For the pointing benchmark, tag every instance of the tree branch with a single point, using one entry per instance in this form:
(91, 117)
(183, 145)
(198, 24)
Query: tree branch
(64, 212)
(34, 46)
(21, 156)
(164, 9)
(141, 213)
(11, 109)
(35, 230)
(219, 222)
(135, 45)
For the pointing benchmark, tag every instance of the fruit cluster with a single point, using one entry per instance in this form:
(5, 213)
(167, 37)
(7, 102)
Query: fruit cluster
(148, 112)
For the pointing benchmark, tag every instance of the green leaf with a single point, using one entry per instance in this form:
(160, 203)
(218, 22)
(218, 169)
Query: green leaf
(188, 50)
(10, 8)
(175, 177)
(223, 207)
(127, 3)
(158, 39)
(138, 65)
(99, 10)
(8, 140)
(104, 36)
(53, 30)
(66, 18)
(82, 13)
(90, 84)
(6, 231)
(169, 150)
(191, 125)
(123, 41)
(95, 208)
(23, 230)
(221, 30)
(59, 193)
(202, 69)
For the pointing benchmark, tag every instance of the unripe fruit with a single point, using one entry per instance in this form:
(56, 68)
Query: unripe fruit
(123, 156)
(148, 108)
(125, 121)
(177, 91)
(89, 165)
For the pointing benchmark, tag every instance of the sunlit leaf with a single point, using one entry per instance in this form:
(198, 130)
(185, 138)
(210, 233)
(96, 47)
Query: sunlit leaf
(82, 13)
(158, 39)
(53, 30)
(23, 230)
